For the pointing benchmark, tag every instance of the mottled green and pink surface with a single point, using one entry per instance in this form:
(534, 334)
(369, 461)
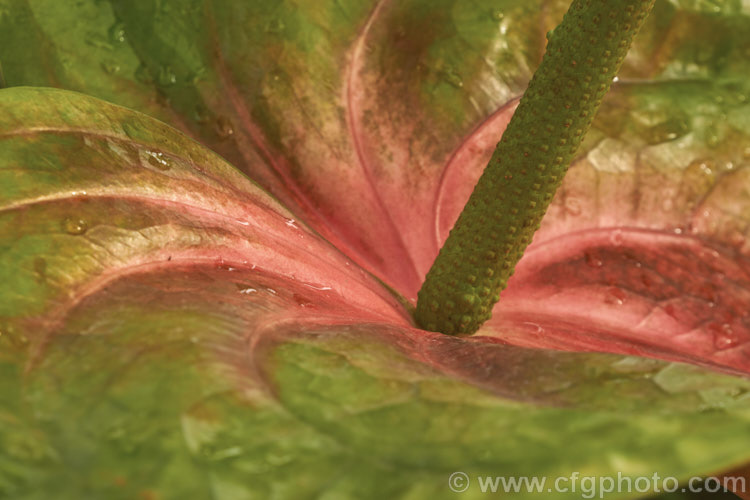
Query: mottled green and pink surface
(171, 330)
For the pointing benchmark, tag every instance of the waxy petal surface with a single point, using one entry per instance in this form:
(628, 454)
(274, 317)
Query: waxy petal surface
(212, 343)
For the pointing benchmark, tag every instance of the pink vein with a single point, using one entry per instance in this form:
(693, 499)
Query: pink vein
(354, 65)
(255, 134)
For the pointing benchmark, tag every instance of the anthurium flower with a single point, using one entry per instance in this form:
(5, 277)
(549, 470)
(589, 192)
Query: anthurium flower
(214, 228)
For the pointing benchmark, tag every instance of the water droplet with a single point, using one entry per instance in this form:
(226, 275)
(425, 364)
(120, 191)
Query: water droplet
(158, 160)
(275, 25)
(573, 206)
(143, 75)
(17, 340)
(700, 174)
(271, 291)
(498, 15)
(292, 223)
(223, 266)
(302, 301)
(709, 293)
(667, 131)
(274, 77)
(616, 237)
(116, 33)
(712, 135)
(615, 296)
(592, 260)
(166, 76)
(224, 127)
(533, 327)
(314, 287)
(724, 336)
(244, 289)
(75, 226)
(110, 67)
(453, 78)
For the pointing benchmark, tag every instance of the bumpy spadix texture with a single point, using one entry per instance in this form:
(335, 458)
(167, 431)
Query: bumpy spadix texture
(510, 199)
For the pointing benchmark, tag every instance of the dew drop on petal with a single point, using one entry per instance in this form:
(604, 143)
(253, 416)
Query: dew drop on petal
(292, 223)
(615, 296)
(222, 265)
(316, 287)
(592, 260)
(302, 301)
(712, 135)
(110, 68)
(616, 237)
(244, 289)
(573, 206)
(166, 76)
(668, 130)
(158, 160)
(75, 226)
(453, 78)
(116, 33)
(533, 327)
(224, 127)
(724, 336)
